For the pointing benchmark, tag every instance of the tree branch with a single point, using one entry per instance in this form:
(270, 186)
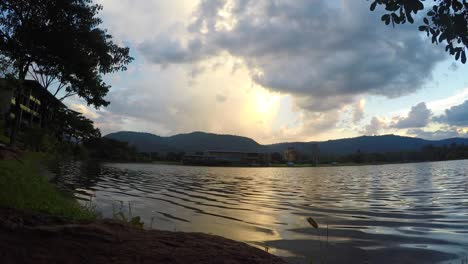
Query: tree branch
(67, 95)
(60, 87)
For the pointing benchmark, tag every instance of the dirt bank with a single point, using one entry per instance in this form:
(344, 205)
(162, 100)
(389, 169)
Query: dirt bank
(38, 238)
(9, 153)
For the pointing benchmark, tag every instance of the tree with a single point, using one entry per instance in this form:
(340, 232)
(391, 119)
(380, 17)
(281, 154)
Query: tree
(59, 43)
(75, 126)
(277, 158)
(445, 20)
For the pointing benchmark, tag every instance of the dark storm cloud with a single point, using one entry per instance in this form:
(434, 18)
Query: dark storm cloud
(419, 116)
(455, 116)
(306, 47)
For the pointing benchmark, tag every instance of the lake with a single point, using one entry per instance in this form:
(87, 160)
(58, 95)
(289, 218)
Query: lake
(403, 213)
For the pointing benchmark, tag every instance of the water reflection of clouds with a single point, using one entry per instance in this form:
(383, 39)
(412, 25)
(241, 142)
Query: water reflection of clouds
(376, 208)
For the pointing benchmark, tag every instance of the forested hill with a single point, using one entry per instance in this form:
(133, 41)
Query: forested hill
(195, 141)
(200, 141)
(370, 144)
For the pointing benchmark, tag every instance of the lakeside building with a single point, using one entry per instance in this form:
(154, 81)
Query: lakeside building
(291, 155)
(37, 105)
(310, 155)
(226, 158)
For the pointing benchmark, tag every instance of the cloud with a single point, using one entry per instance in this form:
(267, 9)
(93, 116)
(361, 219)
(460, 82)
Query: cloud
(453, 66)
(307, 48)
(221, 98)
(374, 127)
(456, 115)
(358, 111)
(419, 116)
(439, 106)
(309, 126)
(447, 132)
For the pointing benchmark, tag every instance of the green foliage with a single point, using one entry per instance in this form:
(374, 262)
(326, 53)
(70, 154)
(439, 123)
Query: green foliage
(128, 218)
(38, 139)
(80, 152)
(61, 40)
(22, 187)
(109, 149)
(427, 153)
(445, 20)
(74, 126)
(63, 150)
(3, 139)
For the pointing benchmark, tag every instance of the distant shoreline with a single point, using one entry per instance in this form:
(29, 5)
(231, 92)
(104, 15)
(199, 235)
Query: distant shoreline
(288, 166)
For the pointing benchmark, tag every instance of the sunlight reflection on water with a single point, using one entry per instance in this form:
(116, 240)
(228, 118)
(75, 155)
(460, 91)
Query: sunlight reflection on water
(386, 214)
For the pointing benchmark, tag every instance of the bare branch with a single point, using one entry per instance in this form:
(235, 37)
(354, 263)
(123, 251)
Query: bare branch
(67, 95)
(60, 87)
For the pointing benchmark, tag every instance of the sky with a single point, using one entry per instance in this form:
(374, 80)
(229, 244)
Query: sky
(276, 71)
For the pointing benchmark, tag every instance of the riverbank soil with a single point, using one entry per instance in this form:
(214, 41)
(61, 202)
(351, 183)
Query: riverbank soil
(38, 238)
(8, 153)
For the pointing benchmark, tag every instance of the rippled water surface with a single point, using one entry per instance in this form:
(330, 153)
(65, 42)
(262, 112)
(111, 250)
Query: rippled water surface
(410, 213)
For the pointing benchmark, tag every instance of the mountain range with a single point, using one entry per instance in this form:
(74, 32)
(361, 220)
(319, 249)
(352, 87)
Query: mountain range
(201, 141)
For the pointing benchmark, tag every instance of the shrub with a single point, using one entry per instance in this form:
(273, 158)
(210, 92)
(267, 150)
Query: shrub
(38, 139)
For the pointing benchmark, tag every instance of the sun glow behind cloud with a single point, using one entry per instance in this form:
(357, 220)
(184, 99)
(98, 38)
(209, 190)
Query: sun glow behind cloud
(262, 69)
(267, 103)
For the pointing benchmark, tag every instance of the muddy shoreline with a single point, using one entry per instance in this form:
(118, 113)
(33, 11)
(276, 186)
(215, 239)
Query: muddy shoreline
(27, 237)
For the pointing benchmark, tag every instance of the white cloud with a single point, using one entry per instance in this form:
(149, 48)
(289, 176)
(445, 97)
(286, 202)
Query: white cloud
(310, 49)
(419, 116)
(229, 66)
(358, 111)
(439, 106)
(456, 115)
(444, 133)
(375, 126)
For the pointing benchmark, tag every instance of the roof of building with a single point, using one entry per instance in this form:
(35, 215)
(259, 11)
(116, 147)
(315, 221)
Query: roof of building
(33, 85)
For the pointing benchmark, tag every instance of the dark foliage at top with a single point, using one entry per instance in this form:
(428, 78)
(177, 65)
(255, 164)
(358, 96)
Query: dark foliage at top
(59, 42)
(445, 20)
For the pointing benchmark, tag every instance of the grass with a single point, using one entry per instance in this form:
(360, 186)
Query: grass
(128, 218)
(22, 187)
(4, 139)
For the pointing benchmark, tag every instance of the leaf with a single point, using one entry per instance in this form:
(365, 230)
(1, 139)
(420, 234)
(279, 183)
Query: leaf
(385, 17)
(426, 21)
(442, 37)
(395, 18)
(136, 222)
(457, 56)
(419, 6)
(422, 28)
(410, 18)
(463, 57)
(372, 6)
(312, 222)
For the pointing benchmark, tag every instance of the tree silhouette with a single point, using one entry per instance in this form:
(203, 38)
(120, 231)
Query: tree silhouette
(445, 20)
(59, 42)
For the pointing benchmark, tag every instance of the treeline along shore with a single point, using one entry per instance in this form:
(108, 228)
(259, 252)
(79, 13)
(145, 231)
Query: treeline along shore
(144, 147)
